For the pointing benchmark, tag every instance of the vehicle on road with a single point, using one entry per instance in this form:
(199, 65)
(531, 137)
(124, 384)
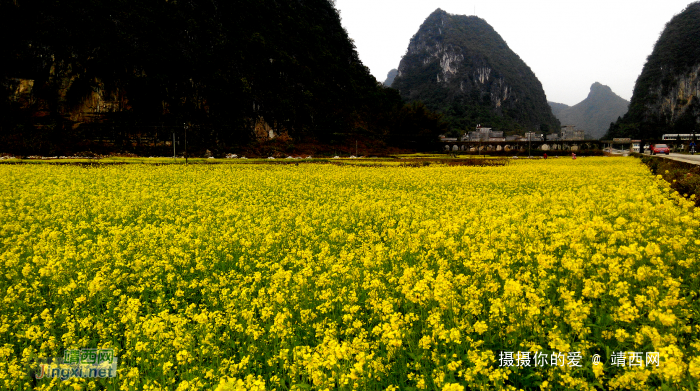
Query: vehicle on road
(660, 148)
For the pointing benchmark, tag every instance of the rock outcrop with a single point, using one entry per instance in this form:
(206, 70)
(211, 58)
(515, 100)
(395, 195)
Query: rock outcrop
(460, 66)
(89, 107)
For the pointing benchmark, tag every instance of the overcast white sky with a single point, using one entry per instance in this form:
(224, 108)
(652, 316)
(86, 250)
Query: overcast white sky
(569, 44)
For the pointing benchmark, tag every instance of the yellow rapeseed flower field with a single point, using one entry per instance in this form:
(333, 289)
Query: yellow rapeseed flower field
(324, 277)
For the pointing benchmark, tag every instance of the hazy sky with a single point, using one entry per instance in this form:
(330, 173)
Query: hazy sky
(569, 44)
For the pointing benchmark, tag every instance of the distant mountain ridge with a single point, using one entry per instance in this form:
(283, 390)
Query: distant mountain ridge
(666, 96)
(558, 108)
(390, 77)
(595, 113)
(460, 66)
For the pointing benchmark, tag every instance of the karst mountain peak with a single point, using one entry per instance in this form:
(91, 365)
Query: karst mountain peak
(460, 66)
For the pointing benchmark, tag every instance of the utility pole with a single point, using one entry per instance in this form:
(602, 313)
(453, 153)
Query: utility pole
(478, 133)
(529, 139)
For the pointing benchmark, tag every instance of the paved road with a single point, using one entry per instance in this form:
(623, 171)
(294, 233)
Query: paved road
(694, 159)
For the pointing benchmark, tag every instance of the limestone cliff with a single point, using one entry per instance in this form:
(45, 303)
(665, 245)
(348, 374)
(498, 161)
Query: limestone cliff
(460, 66)
(59, 96)
(680, 97)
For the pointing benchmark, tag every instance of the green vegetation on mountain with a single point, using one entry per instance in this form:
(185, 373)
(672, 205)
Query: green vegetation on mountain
(593, 114)
(460, 66)
(75, 71)
(666, 94)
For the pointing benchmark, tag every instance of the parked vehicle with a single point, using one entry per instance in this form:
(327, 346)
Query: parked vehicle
(660, 148)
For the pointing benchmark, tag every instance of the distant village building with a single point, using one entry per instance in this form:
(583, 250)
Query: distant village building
(532, 136)
(496, 136)
(483, 134)
(636, 146)
(570, 133)
(622, 145)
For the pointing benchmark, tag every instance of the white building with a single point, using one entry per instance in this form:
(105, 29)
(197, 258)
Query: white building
(483, 134)
(570, 133)
(636, 146)
(532, 136)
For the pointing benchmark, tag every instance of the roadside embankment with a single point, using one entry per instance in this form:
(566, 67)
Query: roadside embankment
(683, 177)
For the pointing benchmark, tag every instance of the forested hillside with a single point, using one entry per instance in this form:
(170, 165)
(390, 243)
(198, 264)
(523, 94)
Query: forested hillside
(75, 71)
(666, 94)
